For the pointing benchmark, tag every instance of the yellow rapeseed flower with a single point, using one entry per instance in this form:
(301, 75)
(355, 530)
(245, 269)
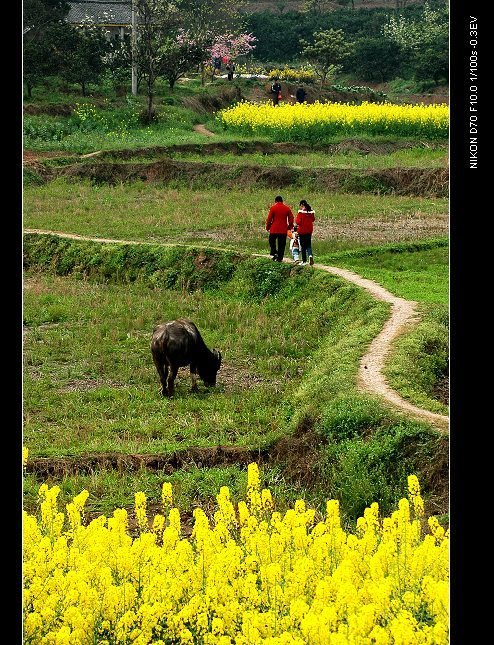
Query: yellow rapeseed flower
(268, 579)
(166, 494)
(321, 119)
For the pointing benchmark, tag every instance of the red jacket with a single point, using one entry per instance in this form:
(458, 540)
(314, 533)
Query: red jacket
(304, 221)
(280, 218)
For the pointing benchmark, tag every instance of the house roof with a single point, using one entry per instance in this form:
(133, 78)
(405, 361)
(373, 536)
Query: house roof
(117, 12)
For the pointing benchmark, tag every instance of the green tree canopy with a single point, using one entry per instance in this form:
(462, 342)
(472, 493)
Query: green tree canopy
(326, 53)
(375, 59)
(43, 22)
(80, 50)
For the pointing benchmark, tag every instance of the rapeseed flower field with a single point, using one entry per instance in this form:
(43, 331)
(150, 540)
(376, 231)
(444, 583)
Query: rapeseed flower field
(317, 121)
(249, 575)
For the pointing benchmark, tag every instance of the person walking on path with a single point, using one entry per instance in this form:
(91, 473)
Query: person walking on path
(276, 91)
(230, 69)
(278, 222)
(305, 224)
(300, 95)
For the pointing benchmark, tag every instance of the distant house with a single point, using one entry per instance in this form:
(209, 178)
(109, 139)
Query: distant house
(114, 17)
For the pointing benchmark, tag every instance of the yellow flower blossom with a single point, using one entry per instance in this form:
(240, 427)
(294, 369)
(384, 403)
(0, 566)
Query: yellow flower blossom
(318, 120)
(166, 494)
(246, 575)
(140, 508)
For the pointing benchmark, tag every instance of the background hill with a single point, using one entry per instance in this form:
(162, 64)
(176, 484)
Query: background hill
(283, 6)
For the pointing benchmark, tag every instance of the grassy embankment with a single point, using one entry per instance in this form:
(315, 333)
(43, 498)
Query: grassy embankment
(413, 157)
(103, 121)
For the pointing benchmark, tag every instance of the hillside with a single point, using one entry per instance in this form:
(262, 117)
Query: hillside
(282, 6)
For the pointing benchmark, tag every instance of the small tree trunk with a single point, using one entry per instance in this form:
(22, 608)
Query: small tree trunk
(150, 104)
(83, 88)
(203, 74)
(29, 88)
(171, 83)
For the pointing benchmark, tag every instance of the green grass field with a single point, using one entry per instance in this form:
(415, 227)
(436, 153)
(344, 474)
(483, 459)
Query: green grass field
(291, 338)
(107, 397)
(291, 349)
(413, 272)
(230, 219)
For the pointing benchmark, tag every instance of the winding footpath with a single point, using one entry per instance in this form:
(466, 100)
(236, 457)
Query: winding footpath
(370, 376)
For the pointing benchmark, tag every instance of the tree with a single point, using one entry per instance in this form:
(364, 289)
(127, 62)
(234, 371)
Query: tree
(431, 62)
(424, 40)
(267, 27)
(80, 51)
(43, 21)
(158, 22)
(118, 62)
(316, 6)
(38, 14)
(329, 49)
(185, 52)
(375, 59)
(431, 26)
(179, 56)
(232, 46)
(205, 22)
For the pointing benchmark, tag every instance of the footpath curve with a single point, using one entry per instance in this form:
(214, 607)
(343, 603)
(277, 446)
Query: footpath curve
(370, 376)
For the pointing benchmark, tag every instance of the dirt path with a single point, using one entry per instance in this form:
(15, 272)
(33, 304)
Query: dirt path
(370, 376)
(203, 130)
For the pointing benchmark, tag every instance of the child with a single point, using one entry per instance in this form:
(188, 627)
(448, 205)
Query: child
(294, 245)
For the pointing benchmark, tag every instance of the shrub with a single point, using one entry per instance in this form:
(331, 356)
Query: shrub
(297, 75)
(362, 469)
(351, 416)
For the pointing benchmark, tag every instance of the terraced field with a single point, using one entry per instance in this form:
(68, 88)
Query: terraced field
(292, 339)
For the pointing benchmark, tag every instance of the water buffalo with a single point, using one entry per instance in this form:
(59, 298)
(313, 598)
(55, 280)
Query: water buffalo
(178, 343)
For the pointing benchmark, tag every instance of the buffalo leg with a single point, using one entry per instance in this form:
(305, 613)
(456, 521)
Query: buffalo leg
(193, 377)
(162, 369)
(171, 379)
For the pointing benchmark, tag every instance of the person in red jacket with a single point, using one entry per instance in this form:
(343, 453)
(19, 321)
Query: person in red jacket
(305, 223)
(278, 222)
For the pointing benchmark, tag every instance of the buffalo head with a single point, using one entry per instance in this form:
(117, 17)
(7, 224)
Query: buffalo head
(209, 371)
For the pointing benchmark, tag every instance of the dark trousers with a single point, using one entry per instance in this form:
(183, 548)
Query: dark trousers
(305, 245)
(280, 239)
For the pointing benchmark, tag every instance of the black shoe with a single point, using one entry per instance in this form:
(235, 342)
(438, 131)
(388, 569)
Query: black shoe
(311, 260)
(274, 258)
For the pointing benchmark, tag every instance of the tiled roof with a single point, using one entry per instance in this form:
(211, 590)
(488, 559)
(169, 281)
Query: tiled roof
(103, 13)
